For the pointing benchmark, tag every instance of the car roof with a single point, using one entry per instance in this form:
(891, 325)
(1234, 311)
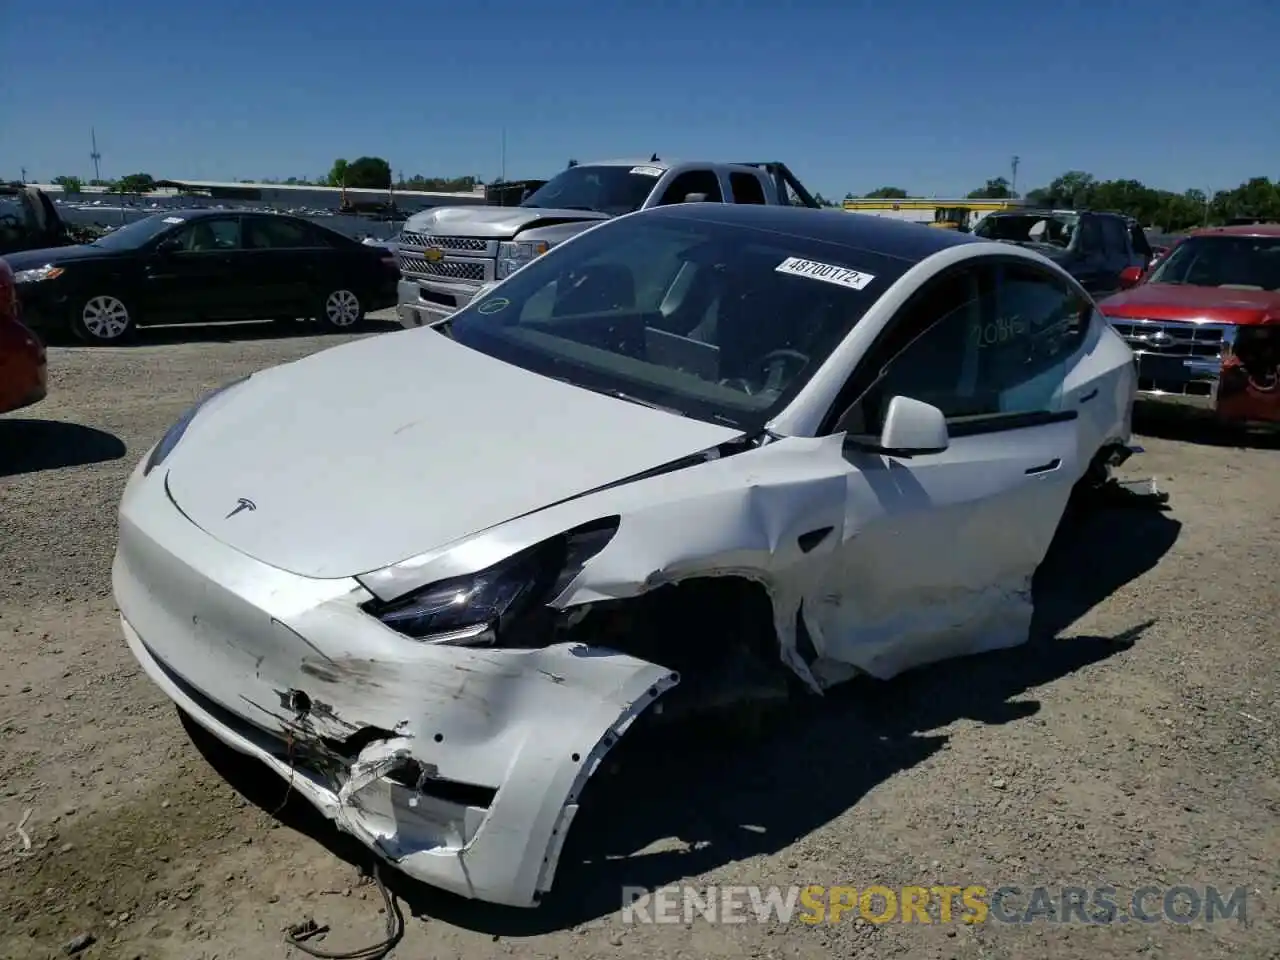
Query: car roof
(899, 239)
(204, 213)
(1240, 230)
(1052, 212)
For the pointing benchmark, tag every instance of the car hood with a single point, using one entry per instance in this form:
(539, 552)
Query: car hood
(379, 450)
(31, 259)
(498, 223)
(1180, 301)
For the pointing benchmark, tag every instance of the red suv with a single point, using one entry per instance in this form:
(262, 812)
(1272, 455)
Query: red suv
(23, 368)
(1204, 323)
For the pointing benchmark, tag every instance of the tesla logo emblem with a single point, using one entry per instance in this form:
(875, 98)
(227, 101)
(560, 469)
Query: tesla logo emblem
(244, 503)
(433, 254)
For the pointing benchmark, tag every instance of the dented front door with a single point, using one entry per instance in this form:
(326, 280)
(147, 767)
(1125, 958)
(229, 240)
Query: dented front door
(939, 550)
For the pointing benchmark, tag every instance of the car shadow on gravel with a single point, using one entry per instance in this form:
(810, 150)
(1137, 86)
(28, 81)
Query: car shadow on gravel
(1193, 425)
(688, 802)
(29, 446)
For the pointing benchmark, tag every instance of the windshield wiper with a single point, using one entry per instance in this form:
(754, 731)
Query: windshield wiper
(620, 395)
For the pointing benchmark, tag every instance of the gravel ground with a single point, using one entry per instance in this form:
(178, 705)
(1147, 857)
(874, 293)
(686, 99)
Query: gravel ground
(1133, 742)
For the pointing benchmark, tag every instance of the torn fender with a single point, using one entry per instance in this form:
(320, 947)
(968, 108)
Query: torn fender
(768, 515)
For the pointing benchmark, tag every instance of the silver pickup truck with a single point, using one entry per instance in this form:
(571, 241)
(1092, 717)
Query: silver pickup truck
(449, 253)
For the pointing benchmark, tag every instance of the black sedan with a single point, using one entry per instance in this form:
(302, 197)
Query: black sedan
(199, 266)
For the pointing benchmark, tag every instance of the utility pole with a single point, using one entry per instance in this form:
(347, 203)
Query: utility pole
(24, 174)
(503, 175)
(1208, 193)
(1013, 182)
(94, 155)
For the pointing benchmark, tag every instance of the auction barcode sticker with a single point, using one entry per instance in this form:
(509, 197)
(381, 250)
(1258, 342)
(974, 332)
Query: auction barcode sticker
(828, 272)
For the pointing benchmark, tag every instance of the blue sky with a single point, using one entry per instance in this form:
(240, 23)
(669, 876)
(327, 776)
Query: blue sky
(934, 96)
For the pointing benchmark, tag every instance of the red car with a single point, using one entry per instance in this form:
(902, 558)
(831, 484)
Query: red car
(1204, 323)
(23, 368)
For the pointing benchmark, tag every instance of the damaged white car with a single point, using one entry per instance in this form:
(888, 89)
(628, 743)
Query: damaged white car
(697, 453)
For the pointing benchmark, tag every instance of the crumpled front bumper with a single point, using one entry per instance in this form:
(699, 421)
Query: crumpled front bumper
(462, 767)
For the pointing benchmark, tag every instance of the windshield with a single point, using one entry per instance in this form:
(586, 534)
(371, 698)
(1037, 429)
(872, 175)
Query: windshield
(713, 321)
(1051, 228)
(1245, 263)
(611, 190)
(134, 235)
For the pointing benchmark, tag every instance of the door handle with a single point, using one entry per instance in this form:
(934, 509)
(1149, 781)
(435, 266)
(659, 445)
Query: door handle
(1089, 396)
(1049, 467)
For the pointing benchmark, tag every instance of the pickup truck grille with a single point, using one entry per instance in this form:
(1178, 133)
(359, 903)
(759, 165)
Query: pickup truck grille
(445, 269)
(1173, 338)
(470, 244)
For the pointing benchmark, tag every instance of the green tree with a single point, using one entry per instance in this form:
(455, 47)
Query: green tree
(69, 184)
(369, 173)
(338, 173)
(1073, 189)
(886, 193)
(135, 183)
(997, 189)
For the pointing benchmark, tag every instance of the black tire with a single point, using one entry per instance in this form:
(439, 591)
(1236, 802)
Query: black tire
(102, 318)
(340, 310)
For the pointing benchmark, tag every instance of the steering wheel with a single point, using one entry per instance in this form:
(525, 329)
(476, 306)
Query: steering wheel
(741, 384)
(774, 364)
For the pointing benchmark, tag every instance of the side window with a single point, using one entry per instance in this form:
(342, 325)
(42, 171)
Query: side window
(746, 188)
(1090, 236)
(980, 343)
(209, 235)
(694, 181)
(1139, 240)
(269, 233)
(1115, 237)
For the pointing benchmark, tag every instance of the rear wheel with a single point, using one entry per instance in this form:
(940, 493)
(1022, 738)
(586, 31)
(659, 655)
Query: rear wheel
(102, 319)
(340, 310)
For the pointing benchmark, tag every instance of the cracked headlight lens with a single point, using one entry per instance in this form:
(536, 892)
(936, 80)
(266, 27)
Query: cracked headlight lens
(475, 610)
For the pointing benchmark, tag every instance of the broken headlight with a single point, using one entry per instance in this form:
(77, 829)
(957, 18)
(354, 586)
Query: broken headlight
(488, 608)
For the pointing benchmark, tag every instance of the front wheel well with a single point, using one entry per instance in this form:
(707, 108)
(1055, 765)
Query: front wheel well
(717, 632)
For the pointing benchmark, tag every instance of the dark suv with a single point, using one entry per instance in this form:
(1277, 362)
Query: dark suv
(28, 220)
(1093, 247)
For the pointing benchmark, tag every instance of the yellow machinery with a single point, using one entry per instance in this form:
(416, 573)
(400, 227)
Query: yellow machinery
(953, 218)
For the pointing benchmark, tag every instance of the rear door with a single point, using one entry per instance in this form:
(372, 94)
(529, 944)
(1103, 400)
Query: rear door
(287, 263)
(939, 549)
(198, 278)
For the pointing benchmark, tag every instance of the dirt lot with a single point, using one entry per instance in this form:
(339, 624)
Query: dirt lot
(1133, 742)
